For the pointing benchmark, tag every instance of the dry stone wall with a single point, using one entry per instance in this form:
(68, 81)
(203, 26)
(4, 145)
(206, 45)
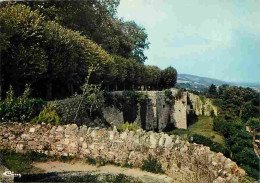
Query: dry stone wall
(180, 159)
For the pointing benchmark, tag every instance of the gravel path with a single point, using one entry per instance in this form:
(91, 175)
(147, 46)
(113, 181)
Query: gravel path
(56, 166)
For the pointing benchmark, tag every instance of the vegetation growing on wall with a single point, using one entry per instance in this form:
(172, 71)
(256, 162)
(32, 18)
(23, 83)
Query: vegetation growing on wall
(169, 98)
(131, 127)
(152, 165)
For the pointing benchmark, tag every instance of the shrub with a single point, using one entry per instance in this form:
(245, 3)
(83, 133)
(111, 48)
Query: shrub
(22, 108)
(169, 98)
(101, 162)
(212, 113)
(48, 115)
(179, 94)
(214, 146)
(130, 126)
(179, 132)
(91, 161)
(127, 164)
(151, 165)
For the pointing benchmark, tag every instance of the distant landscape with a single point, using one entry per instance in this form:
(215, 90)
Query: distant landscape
(200, 83)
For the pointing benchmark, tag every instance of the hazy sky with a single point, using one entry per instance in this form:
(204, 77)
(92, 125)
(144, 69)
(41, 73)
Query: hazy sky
(212, 38)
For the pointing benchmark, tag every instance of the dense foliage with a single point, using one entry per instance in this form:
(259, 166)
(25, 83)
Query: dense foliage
(21, 108)
(238, 107)
(47, 115)
(51, 45)
(216, 147)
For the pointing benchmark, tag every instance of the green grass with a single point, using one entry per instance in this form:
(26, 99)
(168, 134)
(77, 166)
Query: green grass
(21, 163)
(203, 133)
(204, 127)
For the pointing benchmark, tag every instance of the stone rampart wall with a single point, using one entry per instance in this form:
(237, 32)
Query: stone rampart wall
(152, 114)
(202, 105)
(179, 158)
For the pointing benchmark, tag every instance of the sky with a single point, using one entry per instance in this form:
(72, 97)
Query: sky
(213, 38)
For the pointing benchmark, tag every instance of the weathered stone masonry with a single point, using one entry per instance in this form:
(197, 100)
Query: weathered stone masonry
(155, 114)
(194, 163)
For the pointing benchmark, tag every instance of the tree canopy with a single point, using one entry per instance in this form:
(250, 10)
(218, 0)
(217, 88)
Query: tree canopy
(51, 45)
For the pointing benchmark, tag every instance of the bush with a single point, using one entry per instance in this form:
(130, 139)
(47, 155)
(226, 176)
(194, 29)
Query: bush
(91, 161)
(169, 98)
(179, 132)
(212, 113)
(130, 126)
(179, 94)
(216, 147)
(48, 115)
(20, 109)
(127, 164)
(151, 165)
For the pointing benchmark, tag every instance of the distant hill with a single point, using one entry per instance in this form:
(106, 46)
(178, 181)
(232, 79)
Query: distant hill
(202, 83)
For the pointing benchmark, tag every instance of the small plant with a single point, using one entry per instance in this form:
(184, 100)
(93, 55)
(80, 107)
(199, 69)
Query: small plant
(169, 98)
(151, 165)
(127, 164)
(101, 162)
(48, 115)
(91, 161)
(212, 113)
(130, 126)
(66, 158)
(179, 94)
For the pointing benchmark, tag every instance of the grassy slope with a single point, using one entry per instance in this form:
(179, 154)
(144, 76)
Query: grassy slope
(204, 126)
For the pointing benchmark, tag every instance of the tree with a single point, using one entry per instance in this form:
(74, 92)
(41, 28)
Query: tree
(168, 77)
(23, 60)
(43, 52)
(121, 69)
(140, 40)
(152, 76)
(212, 90)
(97, 20)
(254, 124)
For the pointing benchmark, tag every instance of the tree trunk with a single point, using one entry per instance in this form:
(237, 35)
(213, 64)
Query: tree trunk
(254, 138)
(70, 88)
(49, 89)
(1, 80)
(0, 87)
(240, 112)
(116, 86)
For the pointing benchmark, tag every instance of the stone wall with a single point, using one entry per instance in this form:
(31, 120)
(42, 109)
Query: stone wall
(202, 105)
(179, 158)
(151, 114)
(67, 109)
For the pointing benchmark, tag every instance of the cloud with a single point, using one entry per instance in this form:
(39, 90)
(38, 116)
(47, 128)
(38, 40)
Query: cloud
(218, 38)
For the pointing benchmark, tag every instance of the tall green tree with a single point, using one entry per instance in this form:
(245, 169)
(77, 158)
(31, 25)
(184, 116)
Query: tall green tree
(23, 58)
(212, 90)
(97, 20)
(168, 77)
(140, 40)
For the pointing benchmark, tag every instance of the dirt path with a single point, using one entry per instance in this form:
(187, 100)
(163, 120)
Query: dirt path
(57, 166)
